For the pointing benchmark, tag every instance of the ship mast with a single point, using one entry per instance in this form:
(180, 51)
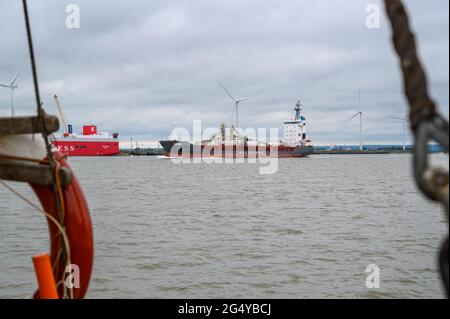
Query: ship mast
(222, 132)
(297, 110)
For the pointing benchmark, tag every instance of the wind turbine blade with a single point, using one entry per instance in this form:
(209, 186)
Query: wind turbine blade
(247, 98)
(351, 118)
(243, 98)
(396, 118)
(229, 94)
(18, 73)
(365, 114)
(5, 86)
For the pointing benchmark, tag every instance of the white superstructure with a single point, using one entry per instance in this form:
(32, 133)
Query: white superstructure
(294, 130)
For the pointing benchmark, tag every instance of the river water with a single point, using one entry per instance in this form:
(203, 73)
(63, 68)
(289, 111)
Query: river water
(165, 230)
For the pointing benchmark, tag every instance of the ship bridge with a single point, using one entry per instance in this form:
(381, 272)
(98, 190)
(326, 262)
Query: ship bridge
(294, 130)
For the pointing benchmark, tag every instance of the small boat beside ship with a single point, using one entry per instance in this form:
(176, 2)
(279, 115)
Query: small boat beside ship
(229, 142)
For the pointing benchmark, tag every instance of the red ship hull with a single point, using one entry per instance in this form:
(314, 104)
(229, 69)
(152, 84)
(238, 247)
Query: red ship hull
(187, 150)
(82, 147)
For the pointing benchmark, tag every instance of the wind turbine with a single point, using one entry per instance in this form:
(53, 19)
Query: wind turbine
(236, 101)
(360, 114)
(12, 87)
(403, 120)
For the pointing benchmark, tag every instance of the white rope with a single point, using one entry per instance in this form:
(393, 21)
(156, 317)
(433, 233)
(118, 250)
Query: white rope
(50, 217)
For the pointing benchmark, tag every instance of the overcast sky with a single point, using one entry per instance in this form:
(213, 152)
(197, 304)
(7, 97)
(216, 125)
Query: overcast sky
(137, 66)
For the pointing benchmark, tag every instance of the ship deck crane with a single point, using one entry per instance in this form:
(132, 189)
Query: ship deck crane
(61, 114)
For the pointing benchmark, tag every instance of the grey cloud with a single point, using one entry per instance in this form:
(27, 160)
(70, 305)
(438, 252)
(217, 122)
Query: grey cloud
(137, 66)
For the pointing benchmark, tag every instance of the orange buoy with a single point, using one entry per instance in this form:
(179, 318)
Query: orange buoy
(45, 278)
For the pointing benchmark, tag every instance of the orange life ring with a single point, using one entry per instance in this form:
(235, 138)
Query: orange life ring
(76, 221)
(78, 226)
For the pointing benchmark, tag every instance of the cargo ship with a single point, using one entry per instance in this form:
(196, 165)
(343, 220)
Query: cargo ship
(88, 143)
(230, 143)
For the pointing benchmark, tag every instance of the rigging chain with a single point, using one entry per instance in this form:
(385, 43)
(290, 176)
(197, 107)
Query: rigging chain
(426, 123)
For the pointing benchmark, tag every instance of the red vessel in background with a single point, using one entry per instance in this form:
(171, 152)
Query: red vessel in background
(89, 143)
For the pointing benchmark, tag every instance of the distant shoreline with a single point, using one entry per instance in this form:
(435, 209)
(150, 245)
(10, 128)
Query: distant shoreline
(317, 151)
(358, 152)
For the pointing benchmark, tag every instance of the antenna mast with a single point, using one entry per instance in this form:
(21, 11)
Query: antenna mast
(297, 110)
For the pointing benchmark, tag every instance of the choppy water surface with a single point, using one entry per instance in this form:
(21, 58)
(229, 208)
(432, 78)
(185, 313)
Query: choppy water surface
(176, 231)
